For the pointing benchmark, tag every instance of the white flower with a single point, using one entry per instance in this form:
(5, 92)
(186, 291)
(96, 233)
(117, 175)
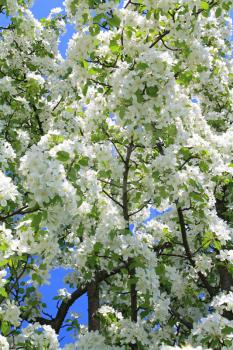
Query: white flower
(3, 273)
(211, 326)
(4, 345)
(64, 294)
(6, 152)
(10, 312)
(56, 10)
(203, 263)
(223, 301)
(226, 255)
(106, 309)
(8, 190)
(40, 80)
(40, 337)
(12, 6)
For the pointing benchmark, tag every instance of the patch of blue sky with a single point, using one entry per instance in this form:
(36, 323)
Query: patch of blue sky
(4, 21)
(202, 296)
(121, 4)
(211, 309)
(156, 328)
(42, 8)
(210, 249)
(50, 290)
(154, 213)
(195, 100)
(17, 218)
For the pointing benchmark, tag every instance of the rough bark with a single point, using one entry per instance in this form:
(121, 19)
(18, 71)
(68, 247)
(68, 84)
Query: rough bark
(93, 306)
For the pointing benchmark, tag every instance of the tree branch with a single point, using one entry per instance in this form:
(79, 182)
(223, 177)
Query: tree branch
(211, 290)
(159, 37)
(181, 319)
(57, 322)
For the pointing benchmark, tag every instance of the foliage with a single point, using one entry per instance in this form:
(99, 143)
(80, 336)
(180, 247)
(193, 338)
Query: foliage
(137, 116)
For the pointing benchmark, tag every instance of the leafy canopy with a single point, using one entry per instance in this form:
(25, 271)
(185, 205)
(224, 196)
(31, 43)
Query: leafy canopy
(137, 116)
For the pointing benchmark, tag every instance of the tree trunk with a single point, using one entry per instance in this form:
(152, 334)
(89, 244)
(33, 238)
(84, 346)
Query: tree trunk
(133, 304)
(93, 306)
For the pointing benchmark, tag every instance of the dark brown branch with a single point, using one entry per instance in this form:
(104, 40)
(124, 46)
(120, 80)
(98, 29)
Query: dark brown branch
(40, 125)
(133, 304)
(125, 183)
(184, 236)
(181, 319)
(19, 211)
(173, 255)
(100, 83)
(132, 3)
(110, 183)
(133, 298)
(57, 322)
(211, 290)
(57, 104)
(117, 150)
(226, 279)
(93, 306)
(140, 209)
(16, 212)
(168, 47)
(132, 271)
(114, 144)
(112, 198)
(187, 160)
(159, 37)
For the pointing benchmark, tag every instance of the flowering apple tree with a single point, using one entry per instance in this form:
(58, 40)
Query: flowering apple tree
(139, 115)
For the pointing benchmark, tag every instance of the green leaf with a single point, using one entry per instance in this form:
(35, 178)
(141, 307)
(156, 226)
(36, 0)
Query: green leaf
(4, 262)
(30, 290)
(94, 30)
(3, 292)
(171, 130)
(203, 166)
(204, 5)
(3, 246)
(207, 239)
(152, 91)
(141, 66)
(63, 156)
(114, 46)
(36, 220)
(140, 97)
(217, 245)
(43, 266)
(56, 139)
(37, 278)
(115, 21)
(227, 343)
(197, 196)
(218, 12)
(97, 247)
(85, 88)
(84, 161)
(5, 328)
